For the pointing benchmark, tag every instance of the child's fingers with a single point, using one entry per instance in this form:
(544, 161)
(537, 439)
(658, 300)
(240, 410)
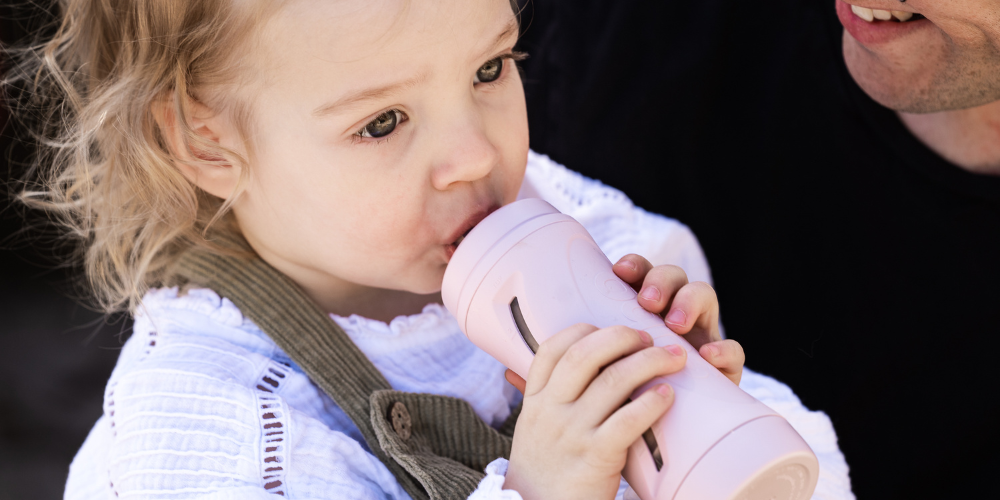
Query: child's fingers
(727, 356)
(659, 287)
(620, 379)
(694, 313)
(583, 360)
(550, 352)
(629, 422)
(514, 379)
(632, 269)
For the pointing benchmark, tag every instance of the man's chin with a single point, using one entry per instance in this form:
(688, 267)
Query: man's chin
(878, 82)
(921, 82)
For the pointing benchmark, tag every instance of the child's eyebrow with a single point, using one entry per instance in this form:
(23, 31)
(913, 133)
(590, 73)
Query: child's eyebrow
(366, 95)
(376, 93)
(513, 26)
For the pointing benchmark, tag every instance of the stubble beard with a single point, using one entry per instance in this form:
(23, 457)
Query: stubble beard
(959, 82)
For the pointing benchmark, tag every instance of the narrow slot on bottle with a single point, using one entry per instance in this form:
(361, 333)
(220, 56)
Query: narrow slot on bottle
(522, 327)
(650, 439)
(654, 448)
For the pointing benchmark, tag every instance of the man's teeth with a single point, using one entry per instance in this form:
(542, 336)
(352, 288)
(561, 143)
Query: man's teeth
(902, 16)
(863, 13)
(882, 15)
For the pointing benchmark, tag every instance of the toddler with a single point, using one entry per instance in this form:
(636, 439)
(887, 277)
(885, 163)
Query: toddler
(274, 189)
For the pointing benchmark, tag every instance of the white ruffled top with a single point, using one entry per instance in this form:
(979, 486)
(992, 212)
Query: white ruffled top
(202, 404)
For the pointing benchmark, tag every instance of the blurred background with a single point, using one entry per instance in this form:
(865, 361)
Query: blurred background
(55, 355)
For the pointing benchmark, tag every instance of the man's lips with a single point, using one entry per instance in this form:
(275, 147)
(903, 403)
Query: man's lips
(875, 26)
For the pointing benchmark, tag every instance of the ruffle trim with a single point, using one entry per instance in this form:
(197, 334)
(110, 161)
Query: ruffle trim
(577, 192)
(219, 309)
(201, 300)
(604, 210)
(491, 486)
(433, 317)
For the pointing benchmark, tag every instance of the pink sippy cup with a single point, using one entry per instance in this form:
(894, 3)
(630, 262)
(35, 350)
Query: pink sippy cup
(528, 271)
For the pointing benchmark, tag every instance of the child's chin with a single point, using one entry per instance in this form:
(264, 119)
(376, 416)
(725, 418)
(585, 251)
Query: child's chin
(430, 286)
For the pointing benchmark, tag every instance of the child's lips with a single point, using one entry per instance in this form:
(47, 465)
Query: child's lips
(462, 231)
(450, 249)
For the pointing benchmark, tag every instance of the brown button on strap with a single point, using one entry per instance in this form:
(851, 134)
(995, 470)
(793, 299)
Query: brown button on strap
(400, 418)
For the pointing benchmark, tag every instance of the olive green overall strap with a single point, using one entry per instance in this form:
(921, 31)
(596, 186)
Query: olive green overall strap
(438, 439)
(449, 446)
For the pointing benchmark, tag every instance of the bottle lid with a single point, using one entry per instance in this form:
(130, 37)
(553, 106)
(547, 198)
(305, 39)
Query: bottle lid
(738, 467)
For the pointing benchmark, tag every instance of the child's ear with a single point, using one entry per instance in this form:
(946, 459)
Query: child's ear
(215, 175)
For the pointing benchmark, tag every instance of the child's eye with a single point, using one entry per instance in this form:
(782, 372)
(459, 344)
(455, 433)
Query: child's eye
(382, 125)
(490, 71)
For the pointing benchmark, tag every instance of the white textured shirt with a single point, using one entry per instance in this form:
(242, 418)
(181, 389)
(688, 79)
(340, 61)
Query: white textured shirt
(202, 404)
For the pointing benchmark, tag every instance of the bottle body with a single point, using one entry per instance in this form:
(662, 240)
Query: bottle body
(529, 272)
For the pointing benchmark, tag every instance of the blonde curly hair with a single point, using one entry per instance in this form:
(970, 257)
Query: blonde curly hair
(103, 169)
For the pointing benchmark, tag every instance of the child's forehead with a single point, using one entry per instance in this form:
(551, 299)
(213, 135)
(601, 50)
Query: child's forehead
(343, 32)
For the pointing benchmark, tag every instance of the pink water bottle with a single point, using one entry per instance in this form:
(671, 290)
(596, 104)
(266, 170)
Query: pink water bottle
(527, 272)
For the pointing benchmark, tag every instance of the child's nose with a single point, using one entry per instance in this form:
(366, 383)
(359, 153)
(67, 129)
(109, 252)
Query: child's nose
(466, 155)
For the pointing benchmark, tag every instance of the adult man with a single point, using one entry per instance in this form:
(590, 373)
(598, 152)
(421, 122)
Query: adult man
(845, 185)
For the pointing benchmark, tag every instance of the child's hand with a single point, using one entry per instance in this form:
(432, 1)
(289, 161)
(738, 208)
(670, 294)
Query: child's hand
(573, 434)
(693, 310)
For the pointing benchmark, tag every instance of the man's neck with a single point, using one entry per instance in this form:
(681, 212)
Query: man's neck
(968, 138)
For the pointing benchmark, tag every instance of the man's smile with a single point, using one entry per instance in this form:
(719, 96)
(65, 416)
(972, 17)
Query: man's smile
(876, 26)
(873, 15)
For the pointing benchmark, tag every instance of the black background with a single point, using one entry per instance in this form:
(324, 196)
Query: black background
(55, 356)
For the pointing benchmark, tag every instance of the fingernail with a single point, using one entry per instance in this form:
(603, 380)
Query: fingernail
(627, 264)
(714, 350)
(675, 349)
(646, 337)
(665, 390)
(677, 317)
(650, 293)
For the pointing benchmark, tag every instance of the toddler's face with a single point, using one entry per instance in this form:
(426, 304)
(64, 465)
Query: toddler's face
(386, 127)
